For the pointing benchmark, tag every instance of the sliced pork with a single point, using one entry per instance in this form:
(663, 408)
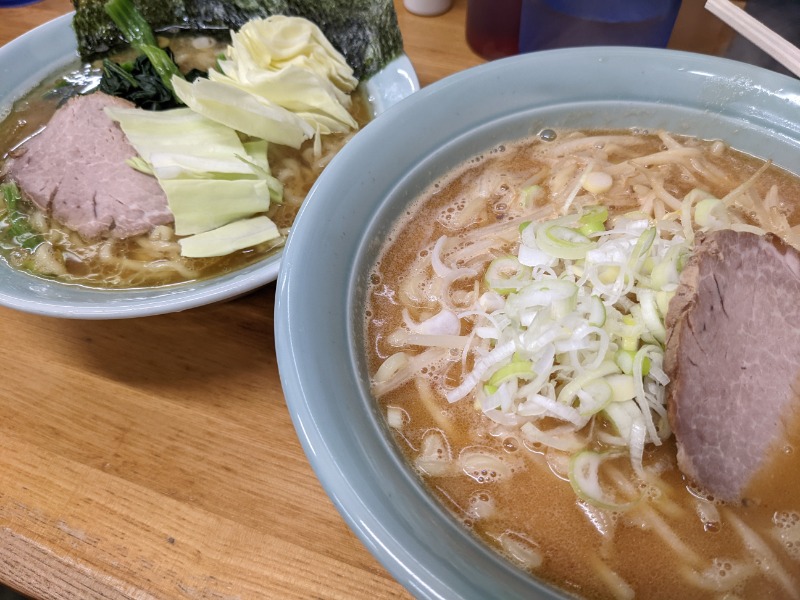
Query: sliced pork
(75, 170)
(733, 357)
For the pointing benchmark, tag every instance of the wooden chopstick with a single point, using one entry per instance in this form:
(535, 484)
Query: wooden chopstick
(754, 30)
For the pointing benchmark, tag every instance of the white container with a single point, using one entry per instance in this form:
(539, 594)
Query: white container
(428, 8)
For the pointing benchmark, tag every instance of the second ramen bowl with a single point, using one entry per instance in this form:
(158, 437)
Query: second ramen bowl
(320, 311)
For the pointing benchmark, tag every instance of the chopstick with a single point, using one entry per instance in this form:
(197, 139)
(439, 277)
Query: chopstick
(754, 30)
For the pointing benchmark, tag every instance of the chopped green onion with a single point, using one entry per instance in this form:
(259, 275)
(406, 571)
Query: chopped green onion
(395, 417)
(594, 397)
(621, 416)
(506, 275)
(711, 213)
(593, 219)
(19, 227)
(518, 369)
(597, 312)
(663, 299)
(563, 242)
(570, 391)
(643, 245)
(584, 328)
(652, 320)
(624, 360)
(622, 387)
(630, 338)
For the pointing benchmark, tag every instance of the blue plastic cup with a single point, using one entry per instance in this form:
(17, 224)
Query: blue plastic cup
(16, 3)
(547, 24)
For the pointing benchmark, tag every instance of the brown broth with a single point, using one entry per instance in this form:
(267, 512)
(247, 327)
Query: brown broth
(779, 479)
(535, 503)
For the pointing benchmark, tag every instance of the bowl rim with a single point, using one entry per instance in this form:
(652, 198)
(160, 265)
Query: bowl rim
(43, 296)
(318, 353)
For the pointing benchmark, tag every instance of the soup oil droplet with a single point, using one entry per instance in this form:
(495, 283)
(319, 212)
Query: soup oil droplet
(547, 135)
(510, 444)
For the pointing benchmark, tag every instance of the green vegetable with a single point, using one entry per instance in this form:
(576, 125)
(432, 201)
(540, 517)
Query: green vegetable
(203, 204)
(139, 82)
(621, 416)
(18, 228)
(597, 312)
(593, 219)
(624, 360)
(162, 63)
(570, 390)
(506, 275)
(229, 238)
(240, 110)
(138, 34)
(562, 242)
(521, 369)
(280, 81)
(131, 23)
(622, 386)
(364, 31)
(288, 62)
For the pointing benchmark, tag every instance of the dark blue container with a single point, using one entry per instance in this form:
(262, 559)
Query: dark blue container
(547, 24)
(16, 3)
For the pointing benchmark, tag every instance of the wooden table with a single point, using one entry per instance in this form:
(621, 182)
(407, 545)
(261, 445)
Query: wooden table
(156, 458)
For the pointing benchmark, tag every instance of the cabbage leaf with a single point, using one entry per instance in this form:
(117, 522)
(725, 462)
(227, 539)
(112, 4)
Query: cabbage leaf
(243, 111)
(229, 238)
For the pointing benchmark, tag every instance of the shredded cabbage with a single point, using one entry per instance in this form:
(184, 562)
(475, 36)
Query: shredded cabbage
(281, 80)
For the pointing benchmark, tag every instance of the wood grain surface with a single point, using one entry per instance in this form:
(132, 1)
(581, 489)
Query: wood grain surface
(155, 458)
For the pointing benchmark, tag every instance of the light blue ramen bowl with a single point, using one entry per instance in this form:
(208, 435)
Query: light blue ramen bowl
(51, 48)
(338, 234)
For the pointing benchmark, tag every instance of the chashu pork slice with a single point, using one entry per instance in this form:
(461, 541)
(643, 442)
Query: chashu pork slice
(733, 358)
(75, 170)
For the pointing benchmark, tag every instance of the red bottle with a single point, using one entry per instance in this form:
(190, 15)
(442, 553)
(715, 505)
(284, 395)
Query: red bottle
(493, 27)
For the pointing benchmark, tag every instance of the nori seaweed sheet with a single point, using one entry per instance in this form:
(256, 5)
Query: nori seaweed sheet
(364, 31)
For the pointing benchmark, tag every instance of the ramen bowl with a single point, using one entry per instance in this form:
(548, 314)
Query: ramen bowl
(51, 48)
(320, 313)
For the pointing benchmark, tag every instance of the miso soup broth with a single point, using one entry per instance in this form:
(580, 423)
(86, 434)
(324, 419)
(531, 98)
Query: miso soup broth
(429, 304)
